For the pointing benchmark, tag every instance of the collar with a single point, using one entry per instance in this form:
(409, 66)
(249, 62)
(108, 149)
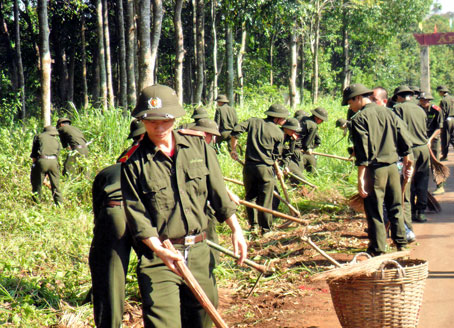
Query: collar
(180, 141)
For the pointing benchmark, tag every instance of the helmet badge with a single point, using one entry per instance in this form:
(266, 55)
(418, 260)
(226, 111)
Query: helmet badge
(154, 103)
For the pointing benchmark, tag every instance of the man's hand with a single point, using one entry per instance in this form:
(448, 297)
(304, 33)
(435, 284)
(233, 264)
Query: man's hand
(238, 242)
(167, 256)
(234, 155)
(362, 181)
(286, 170)
(309, 151)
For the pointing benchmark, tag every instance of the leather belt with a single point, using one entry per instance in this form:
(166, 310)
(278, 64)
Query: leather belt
(47, 157)
(189, 240)
(113, 203)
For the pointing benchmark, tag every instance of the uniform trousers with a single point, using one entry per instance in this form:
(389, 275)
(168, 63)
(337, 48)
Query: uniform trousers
(420, 179)
(109, 259)
(42, 167)
(385, 188)
(259, 183)
(167, 300)
(310, 162)
(447, 136)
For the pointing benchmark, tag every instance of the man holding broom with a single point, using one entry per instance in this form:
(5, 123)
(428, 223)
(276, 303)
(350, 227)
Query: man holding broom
(376, 134)
(166, 184)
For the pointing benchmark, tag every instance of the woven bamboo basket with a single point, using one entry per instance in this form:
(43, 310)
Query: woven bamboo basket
(391, 297)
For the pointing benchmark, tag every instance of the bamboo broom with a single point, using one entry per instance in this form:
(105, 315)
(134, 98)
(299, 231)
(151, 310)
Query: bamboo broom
(441, 172)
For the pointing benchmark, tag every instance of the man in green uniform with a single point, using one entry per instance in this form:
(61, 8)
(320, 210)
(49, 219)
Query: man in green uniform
(166, 184)
(447, 132)
(72, 139)
(199, 113)
(225, 117)
(264, 146)
(112, 242)
(309, 136)
(44, 155)
(292, 154)
(416, 120)
(378, 140)
(434, 127)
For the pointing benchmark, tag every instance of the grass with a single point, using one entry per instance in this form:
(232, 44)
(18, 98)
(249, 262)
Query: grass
(44, 250)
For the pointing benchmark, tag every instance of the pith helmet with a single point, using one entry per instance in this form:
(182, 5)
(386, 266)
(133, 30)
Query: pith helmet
(200, 112)
(442, 88)
(321, 113)
(292, 124)
(299, 114)
(51, 130)
(425, 95)
(415, 89)
(158, 102)
(63, 120)
(354, 90)
(136, 129)
(207, 125)
(222, 98)
(277, 110)
(402, 89)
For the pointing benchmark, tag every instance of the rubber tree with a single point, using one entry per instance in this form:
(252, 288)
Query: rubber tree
(45, 60)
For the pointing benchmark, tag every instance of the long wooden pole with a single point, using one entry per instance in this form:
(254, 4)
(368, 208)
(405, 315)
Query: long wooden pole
(318, 249)
(302, 180)
(333, 156)
(275, 213)
(196, 289)
(252, 264)
(281, 180)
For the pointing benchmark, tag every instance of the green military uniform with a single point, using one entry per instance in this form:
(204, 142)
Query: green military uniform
(110, 248)
(434, 123)
(310, 138)
(416, 120)
(264, 146)
(166, 196)
(226, 119)
(72, 137)
(293, 155)
(198, 114)
(45, 152)
(447, 133)
(379, 138)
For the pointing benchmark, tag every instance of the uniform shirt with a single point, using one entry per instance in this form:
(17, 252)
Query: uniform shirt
(447, 106)
(71, 136)
(264, 141)
(379, 136)
(416, 120)
(45, 144)
(106, 187)
(167, 197)
(434, 119)
(291, 150)
(309, 134)
(225, 117)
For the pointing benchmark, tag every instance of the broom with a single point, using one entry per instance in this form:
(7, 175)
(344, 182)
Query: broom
(433, 204)
(441, 172)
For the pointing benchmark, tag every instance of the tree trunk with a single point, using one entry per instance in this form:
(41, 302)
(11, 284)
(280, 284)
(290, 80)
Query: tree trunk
(315, 60)
(130, 52)
(72, 60)
(10, 53)
(84, 64)
(215, 49)
(230, 72)
(20, 68)
(293, 68)
(143, 24)
(346, 75)
(45, 61)
(199, 49)
(179, 46)
(303, 60)
(156, 35)
(273, 38)
(105, 13)
(101, 56)
(239, 66)
(122, 61)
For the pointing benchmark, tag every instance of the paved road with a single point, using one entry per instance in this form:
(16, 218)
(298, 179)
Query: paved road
(435, 242)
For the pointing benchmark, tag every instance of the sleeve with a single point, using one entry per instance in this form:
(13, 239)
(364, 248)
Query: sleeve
(360, 136)
(217, 192)
(63, 138)
(398, 111)
(217, 117)
(138, 217)
(97, 196)
(444, 108)
(240, 128)
(439, 119)
(317, 140)
(35, 147)
(309, 137)
(403, 142)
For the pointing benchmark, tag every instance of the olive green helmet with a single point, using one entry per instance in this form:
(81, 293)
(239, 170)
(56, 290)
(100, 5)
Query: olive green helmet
(222, 98)
(63, 120)
(207, 125)
(51, 130)
(136, 128)
(200, 112)
(292, 124)
(442, 88)
(403, 89)
(354, 90)
(426, 95)
(158, 102)
(277, 110)
(321, 113)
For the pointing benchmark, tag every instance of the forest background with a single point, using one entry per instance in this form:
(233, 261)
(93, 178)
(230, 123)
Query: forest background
(89, 59)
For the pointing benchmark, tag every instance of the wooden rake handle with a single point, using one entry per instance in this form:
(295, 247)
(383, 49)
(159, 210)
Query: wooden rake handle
(196, 289)
(333, 156)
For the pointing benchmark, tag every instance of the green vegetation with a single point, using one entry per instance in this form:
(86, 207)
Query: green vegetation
(44, 262)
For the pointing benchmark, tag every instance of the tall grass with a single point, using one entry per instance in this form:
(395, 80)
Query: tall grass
(44, 250)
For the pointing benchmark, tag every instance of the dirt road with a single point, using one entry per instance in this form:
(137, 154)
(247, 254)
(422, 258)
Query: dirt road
(435, 242)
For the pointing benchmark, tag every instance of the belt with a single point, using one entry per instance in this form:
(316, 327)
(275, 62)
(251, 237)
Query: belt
(47, 157)
(113, 203)
(80, 146)
(189, 240)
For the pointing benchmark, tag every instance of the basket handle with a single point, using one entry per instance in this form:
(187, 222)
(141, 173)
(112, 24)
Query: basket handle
(355, 259)
(400, 270)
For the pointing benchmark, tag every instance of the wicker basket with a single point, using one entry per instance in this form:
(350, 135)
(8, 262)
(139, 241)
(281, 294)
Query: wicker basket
(391, 297)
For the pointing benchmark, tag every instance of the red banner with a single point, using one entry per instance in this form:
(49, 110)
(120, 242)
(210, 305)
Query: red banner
(433, 39)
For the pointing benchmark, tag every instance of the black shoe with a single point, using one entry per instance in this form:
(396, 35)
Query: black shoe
(420, 217)
(444, 158)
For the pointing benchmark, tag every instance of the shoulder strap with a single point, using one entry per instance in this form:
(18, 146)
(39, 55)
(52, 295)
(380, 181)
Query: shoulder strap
(131, 150)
